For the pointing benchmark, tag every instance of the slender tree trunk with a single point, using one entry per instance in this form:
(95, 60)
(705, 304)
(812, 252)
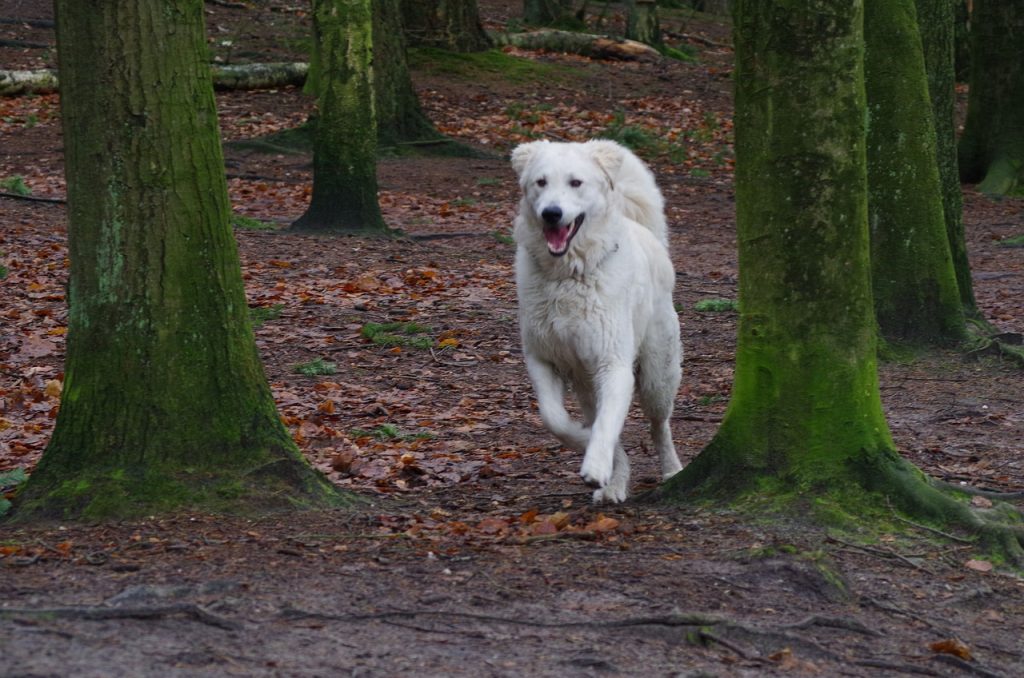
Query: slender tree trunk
(545, 12)
(992, 145)
(642, 22)
(936, 24)
(453, 25)
(400, 117)
(345, 129)
(915, 288)
(164, 402)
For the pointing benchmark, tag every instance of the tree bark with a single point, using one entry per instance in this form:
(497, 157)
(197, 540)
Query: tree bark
(936, 25)
(545, 12)
(642, 22)
(165, 402)
(915, 288)
(400, 117)
(453, 25)
(992, 145)
(345, 129)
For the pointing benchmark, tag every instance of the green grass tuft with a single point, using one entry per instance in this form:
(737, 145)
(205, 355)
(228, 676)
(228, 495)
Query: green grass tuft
(15, 185)
(316, 368)
(247, 223)
(397, 334)
(261, 314)
(716, 305)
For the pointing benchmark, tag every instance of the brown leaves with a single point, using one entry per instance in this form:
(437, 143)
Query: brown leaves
(953, 646)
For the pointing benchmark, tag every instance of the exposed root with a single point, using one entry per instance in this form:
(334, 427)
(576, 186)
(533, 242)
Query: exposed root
(194, 612)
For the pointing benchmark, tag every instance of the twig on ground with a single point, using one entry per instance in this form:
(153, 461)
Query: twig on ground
(940, 533)
(976, 492)
(32, 198)
(881, 552)
(890, 666)
(965, 666)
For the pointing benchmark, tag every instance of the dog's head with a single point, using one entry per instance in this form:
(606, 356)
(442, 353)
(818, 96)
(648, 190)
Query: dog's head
(565, 185)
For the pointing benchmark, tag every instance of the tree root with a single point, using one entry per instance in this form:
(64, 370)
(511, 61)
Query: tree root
(190, 610)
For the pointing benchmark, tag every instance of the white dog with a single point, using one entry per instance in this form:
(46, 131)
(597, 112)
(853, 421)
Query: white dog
(595, 281)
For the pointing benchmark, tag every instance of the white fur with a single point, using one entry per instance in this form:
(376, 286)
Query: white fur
(598, 317)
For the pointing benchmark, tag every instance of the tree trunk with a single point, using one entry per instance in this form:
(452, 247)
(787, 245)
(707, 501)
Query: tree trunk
(165, 402)
(453, 25)
(916, 294)
(399, 115)
(345, 129)
(992, 145)
(545, 12)
(642, 22)
(804, 429)
(936, 21)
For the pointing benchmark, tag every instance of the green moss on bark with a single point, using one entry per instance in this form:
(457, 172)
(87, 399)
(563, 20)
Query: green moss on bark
(916, 294)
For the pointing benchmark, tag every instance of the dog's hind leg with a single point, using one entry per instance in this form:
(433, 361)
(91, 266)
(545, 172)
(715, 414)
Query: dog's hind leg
(659, 377)
(550, 391)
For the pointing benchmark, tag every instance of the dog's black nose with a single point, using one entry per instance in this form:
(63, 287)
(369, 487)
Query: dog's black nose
(552, 215)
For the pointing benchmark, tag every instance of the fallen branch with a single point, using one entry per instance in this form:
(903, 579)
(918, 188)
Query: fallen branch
(194, 612)
(238, 76)
(584, 44)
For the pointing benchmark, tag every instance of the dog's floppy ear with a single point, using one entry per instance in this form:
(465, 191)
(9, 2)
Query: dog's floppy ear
(606, 153)
(522, 153)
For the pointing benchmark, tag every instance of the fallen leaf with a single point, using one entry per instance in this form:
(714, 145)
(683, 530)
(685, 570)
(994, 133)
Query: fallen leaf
(954, 647)
(978, 565)
(981, 502)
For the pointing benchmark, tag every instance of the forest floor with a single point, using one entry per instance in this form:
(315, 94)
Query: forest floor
(477, 552)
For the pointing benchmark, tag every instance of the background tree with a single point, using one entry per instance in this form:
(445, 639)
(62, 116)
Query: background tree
(453, 25)
(642, 22)
(992, 145)
(546, 12)
(400, 117)
(805, 427)
(345, 128)
(915, 288)
(164, 402)
(936, 25)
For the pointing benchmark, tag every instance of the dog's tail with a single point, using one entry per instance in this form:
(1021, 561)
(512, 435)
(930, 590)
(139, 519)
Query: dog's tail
(634, 182)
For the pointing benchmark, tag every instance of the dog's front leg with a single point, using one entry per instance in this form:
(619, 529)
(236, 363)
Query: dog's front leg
(614, 390)
(550, 391)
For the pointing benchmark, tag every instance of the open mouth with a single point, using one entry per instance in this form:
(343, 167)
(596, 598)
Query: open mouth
(560, 235)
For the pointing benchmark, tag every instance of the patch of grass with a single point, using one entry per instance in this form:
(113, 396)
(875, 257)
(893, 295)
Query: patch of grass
(15, 185)
(700, 173)
(261, 314)
(386, 432)
(9, 482)
(488, 181)
(1015, 241)
(316, 368)
(463, 202)
(716, 305)
(477, 66)
(704, 401)
(642, 140)
(397, 334)
(683, 53)
(503, 238)
(240, 221)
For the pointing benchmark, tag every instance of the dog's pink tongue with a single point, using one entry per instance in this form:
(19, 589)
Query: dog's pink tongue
(558, 237)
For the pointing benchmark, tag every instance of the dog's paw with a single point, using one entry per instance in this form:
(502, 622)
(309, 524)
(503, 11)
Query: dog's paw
(613, 493)
(596, 470)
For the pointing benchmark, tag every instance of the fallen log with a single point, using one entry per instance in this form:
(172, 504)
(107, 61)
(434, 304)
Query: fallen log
(238, 76)
(584, 44)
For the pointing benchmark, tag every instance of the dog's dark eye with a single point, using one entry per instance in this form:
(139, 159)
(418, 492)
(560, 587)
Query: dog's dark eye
(575, 183)
(542, 182)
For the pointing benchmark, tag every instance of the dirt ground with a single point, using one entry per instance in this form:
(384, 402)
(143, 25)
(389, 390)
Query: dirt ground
(476, 551)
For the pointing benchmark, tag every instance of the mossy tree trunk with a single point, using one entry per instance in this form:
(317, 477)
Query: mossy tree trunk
(546, 12)
(936, 24)
(345, 128)
(642, 22)
(804, 428)
(400, 117)
(165, 402)
(453, 25)
(915, 287)
(992, 145)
